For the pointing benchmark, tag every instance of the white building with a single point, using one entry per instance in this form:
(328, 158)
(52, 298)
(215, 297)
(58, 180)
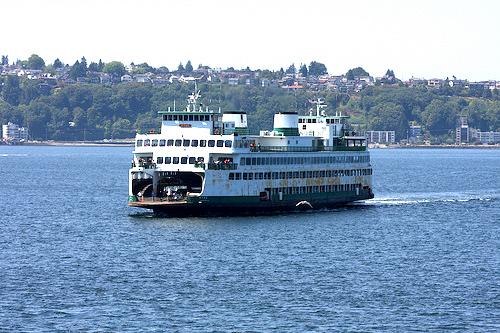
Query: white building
(12, 133)
(488, 137)
(386, 137)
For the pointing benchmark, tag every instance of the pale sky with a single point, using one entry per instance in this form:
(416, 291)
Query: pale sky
(421, 38)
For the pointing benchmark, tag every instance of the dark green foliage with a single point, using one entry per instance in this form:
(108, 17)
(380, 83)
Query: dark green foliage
(291, 69)
(356, 72)
(11, 91)
(189, 67)
(35, 62)
(57, 64)
(317, 68)
(115, 69)
(303, 70)
(78, 70)
(91, 111)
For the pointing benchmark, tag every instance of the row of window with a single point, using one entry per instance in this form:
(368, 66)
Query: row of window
(313, 121)
(179, 160)
(184, 143)
(303, 160)
(315, 189)
(188, 117)
(298, 174)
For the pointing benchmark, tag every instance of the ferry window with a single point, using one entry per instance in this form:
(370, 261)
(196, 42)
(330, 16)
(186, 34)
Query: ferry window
(267, 175)
(169, 117)
(175, 160)
(322, 173)
(211, 143)
(250, 176)
(170, 142)
(259, 160)
(203, 143)
(139, 143)
(275, 175)
(254, 161)
(178, 143)
(185, 143)
(154, 143)
(228, 143)
(245, 176)
(220, 143)
(146, 143)
(309, 121)
(159, 160)
(164, 117)
(314, 120)
(162, 142)
(296, 174)
(194, 143)
(237, 176)
(289, 175)
(242, 161)
(192, 160)
(190, 117)
(168, 160)
(185, 117)
(259, 175)
(302, 174)
(249, 161)
(184, 160)
(231, 176)
(196, 117)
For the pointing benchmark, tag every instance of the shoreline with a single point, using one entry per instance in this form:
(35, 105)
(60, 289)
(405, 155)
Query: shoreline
(130, 143)
(497, 146)
(80, 143)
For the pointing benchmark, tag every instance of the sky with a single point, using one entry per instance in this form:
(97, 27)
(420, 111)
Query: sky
(424, 38)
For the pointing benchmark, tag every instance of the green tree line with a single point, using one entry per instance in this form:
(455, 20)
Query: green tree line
(92, 111)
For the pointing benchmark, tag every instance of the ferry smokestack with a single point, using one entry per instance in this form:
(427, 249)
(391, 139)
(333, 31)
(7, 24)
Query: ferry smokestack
(286, 123)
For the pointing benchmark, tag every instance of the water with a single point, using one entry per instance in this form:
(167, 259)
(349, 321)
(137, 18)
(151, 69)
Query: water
(422, 256)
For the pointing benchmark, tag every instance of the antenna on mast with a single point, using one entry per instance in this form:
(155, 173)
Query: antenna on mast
(320, 104)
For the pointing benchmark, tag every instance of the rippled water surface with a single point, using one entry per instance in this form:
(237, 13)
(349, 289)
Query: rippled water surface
(422, 256)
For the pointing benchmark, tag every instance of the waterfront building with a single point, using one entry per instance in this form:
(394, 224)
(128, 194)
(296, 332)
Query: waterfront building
(488, 137)
(462, 132)
(383, 137)
(12, 133)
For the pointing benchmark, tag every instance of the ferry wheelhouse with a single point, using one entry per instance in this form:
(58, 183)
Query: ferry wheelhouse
(206, 162)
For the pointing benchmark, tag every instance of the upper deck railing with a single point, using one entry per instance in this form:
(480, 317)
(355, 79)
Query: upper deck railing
(306, 149)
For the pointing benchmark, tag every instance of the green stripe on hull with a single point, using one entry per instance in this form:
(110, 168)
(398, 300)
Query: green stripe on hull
(320, 199)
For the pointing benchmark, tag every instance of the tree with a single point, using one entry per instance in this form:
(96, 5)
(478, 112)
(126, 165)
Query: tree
(317, 68)
(291, 69)
(35, 62)
(356, 72)
(180, 68)
(5, 60)
(11, 92)
(57, 64)
(303, 70)
(93, 67)
(440, 117)
(115, 69)
(77, 70)
(83, 63)
(189, 67)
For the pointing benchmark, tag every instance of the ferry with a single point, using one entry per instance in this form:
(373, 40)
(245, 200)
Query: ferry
(205, 162)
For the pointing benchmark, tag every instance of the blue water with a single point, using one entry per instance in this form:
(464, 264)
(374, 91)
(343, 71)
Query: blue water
(422, 256)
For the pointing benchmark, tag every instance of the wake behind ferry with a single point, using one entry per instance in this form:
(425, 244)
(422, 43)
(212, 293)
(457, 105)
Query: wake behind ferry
(205, 162)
